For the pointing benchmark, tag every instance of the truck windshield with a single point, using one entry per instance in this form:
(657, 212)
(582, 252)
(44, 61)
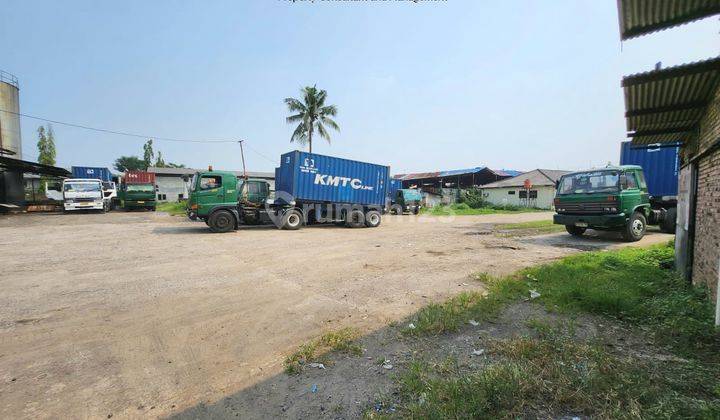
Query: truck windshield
(142, 188)
(589, 182)
(82, 187)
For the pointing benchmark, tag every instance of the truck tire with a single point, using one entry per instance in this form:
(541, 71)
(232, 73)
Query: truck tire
(575, 230)
(221, 221)
(373, 219)
(635, 228)
(292, 220)
(668, 224)
(356, 219)
(416, 210)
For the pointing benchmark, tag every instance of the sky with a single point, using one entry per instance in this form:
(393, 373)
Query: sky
(433, 85)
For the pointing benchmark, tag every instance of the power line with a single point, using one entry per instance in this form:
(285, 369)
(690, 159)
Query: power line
(119, 133)
(142, 136)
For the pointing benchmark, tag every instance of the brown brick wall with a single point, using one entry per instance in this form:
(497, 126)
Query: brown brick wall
(706, 259)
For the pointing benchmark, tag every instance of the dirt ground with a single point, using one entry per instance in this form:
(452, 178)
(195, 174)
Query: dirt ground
(144, 314)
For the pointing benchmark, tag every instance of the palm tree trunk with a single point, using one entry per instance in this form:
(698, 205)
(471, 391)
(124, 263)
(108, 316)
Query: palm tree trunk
(310, 132)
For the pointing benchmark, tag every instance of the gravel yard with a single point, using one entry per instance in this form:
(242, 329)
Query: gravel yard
(144, 314)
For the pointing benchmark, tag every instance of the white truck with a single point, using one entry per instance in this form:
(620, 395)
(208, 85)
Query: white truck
(84, 194)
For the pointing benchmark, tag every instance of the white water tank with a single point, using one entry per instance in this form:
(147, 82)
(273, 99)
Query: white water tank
(10, 141)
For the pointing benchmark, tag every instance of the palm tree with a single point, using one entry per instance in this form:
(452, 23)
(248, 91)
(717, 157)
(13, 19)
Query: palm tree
(312, 115)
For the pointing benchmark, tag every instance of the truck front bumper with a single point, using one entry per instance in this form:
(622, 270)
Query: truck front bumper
(84, 205)
(606, 221)
(139, 204)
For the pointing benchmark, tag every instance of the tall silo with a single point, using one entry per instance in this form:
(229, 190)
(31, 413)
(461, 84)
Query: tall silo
(11, 180)
(10, 142)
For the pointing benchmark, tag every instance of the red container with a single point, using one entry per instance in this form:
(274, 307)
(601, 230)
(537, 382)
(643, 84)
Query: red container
(139, 177)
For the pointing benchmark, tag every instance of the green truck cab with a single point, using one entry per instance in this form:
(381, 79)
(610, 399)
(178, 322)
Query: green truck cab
(220, 199)
(406, 200)
(613, 198)
(138, 196)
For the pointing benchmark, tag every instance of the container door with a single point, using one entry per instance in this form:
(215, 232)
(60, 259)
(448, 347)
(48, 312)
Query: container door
(210, 191)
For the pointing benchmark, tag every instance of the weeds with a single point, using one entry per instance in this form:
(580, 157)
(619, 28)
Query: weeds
(529, 228)
(342, 340)
(553, 375)
(462, 209)
(438, 318)
(174, 209)
(635, 285)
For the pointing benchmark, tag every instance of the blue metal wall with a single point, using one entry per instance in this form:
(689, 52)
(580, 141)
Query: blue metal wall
(660, 165)
(313, 177)
(90, 172)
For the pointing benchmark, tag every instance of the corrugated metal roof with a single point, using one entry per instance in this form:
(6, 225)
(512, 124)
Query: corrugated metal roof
(537, 177)
(640, 17)
(665, 105)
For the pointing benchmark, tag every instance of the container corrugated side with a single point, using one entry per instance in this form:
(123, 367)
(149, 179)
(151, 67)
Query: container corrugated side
(91, 172)
(320, 178)
(139, 177)
(660, 166)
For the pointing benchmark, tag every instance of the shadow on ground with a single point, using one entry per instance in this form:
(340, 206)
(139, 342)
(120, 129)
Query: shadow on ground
(350, 386)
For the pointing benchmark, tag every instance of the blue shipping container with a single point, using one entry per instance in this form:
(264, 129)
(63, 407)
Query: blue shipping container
(319, 178)
(393, 186)
(660, 165)
(89, 172)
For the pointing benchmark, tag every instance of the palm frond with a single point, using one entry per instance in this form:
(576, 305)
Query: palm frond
(330, 122)
(294, 105)
(299, 135)
(323, 133)
(328, 110)
(295, 118)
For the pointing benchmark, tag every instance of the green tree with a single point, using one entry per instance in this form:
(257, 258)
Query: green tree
(159, 162)
(46, 145)
(148, 153)
(130, 163)
(174, 165)
(312, 115)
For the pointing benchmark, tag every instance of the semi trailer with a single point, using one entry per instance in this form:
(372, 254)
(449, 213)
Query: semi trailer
(310, 188)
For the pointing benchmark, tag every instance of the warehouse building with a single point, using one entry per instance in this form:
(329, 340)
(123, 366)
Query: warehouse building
(681, 104)
(174, 183)
(534, 189)
(454, 179)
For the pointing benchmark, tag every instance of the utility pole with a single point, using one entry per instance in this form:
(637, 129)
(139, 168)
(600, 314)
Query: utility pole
(242, 155)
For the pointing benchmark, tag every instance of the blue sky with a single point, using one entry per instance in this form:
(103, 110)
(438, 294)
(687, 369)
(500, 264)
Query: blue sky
(421, 87)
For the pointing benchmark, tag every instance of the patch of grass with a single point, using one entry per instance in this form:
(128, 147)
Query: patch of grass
(636, 285)
(342, 340)
(553, 376)
(437, 318)
(529, 228)
(462, 209)
(174, 209)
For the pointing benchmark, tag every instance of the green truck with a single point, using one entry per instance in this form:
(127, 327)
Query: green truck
(614, 198)
(220, 199)
(138, 191)
(406, 200)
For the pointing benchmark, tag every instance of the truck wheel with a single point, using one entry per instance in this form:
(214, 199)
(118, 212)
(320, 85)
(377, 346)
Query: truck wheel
(575, 230)
(292, 220)
(221, 221)
(416, 210)
(356, 219)
(668, 224)
(635, 228)
(372, 219)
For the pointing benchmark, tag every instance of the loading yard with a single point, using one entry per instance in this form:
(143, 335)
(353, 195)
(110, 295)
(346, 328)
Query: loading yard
(141, 313)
